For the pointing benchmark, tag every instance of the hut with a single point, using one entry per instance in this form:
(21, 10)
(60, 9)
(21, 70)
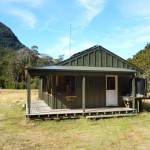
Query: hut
(95, 83)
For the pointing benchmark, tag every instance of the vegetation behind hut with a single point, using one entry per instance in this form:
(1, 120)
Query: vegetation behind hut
(142, 60)
(14, 57)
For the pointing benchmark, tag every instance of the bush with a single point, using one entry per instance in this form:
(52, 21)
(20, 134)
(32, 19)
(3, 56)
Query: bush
(2, 83)
(34, 83)
(14, 85)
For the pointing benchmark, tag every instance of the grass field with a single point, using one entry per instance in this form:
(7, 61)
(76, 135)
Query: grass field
(19, 133)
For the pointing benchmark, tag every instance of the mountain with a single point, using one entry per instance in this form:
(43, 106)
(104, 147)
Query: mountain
(8, 38)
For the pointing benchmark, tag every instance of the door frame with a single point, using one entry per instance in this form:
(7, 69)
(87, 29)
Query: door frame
(111, 91)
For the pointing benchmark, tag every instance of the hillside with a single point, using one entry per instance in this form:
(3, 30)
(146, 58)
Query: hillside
(8, 38)
(15, 57)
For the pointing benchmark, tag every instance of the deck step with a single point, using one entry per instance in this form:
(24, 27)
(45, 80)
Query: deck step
(110, 116)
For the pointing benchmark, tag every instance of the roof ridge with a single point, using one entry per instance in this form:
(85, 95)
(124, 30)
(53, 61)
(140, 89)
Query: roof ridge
(79, 53)
(86, 50)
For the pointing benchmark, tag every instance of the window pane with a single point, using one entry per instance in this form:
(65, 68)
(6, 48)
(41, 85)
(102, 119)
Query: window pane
(110, 83)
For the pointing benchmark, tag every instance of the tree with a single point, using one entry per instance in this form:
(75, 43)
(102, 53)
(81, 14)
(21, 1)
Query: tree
(46, 61)
(142, 60)
(60, 58)
(34, 48)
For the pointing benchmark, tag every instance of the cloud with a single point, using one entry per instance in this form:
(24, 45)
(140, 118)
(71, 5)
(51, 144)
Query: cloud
(113, 45)
(89, 10)
(60, 47)
(31, 3)
(140, 34)
(133, 32)
(135, 8)
(34, 3)
(18, 9)
(26, 16)
(127, 41)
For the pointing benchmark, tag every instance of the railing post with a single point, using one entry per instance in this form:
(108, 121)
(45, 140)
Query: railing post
(53, 92)
(83, 93)
(28, 92)
(40, 88)
(133, 93)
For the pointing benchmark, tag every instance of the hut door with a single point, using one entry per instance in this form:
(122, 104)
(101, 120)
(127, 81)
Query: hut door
(111, 90)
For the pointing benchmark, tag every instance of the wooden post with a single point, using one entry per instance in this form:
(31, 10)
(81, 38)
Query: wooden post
(133, 93)
(138, 105)
(40, 88)
(53, 92)
(83, 93)
(28, 92)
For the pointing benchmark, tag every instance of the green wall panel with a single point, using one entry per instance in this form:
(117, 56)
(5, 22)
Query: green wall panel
(80, 61)
(92, 59)
(86, 60)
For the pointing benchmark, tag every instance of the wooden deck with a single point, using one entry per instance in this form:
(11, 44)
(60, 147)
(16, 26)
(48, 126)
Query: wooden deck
(40, 109)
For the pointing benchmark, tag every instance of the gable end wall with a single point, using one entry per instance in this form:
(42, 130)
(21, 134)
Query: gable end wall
(98, 57)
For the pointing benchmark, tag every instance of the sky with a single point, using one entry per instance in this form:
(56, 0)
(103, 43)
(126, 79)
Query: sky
(121, 26)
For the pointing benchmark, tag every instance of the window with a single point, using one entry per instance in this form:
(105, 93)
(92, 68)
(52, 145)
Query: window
(111, 83)
(66, 84)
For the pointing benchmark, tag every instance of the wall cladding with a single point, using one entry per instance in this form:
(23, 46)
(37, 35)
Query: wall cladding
(98, 56)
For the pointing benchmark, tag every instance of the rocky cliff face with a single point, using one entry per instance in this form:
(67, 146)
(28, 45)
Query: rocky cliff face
(8, 38)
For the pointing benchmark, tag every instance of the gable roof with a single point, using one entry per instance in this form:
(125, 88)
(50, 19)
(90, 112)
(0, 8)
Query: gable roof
(98, 56)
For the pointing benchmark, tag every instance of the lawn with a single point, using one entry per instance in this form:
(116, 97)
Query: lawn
(18, 132)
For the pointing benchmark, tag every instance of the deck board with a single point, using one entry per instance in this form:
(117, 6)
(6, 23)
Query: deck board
(39, 107)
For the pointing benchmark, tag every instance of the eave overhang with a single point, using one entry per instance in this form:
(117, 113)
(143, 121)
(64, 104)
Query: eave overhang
(77, 70)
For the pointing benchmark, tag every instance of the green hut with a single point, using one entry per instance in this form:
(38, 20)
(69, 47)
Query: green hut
(92, 79)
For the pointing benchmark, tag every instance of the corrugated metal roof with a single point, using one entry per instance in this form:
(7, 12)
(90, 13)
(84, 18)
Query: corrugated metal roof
(80, 69)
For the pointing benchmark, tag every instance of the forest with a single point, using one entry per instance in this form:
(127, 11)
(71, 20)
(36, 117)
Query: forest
(15, 57)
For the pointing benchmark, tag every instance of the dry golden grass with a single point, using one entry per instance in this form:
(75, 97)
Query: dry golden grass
(19, 133)
(15, 96)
